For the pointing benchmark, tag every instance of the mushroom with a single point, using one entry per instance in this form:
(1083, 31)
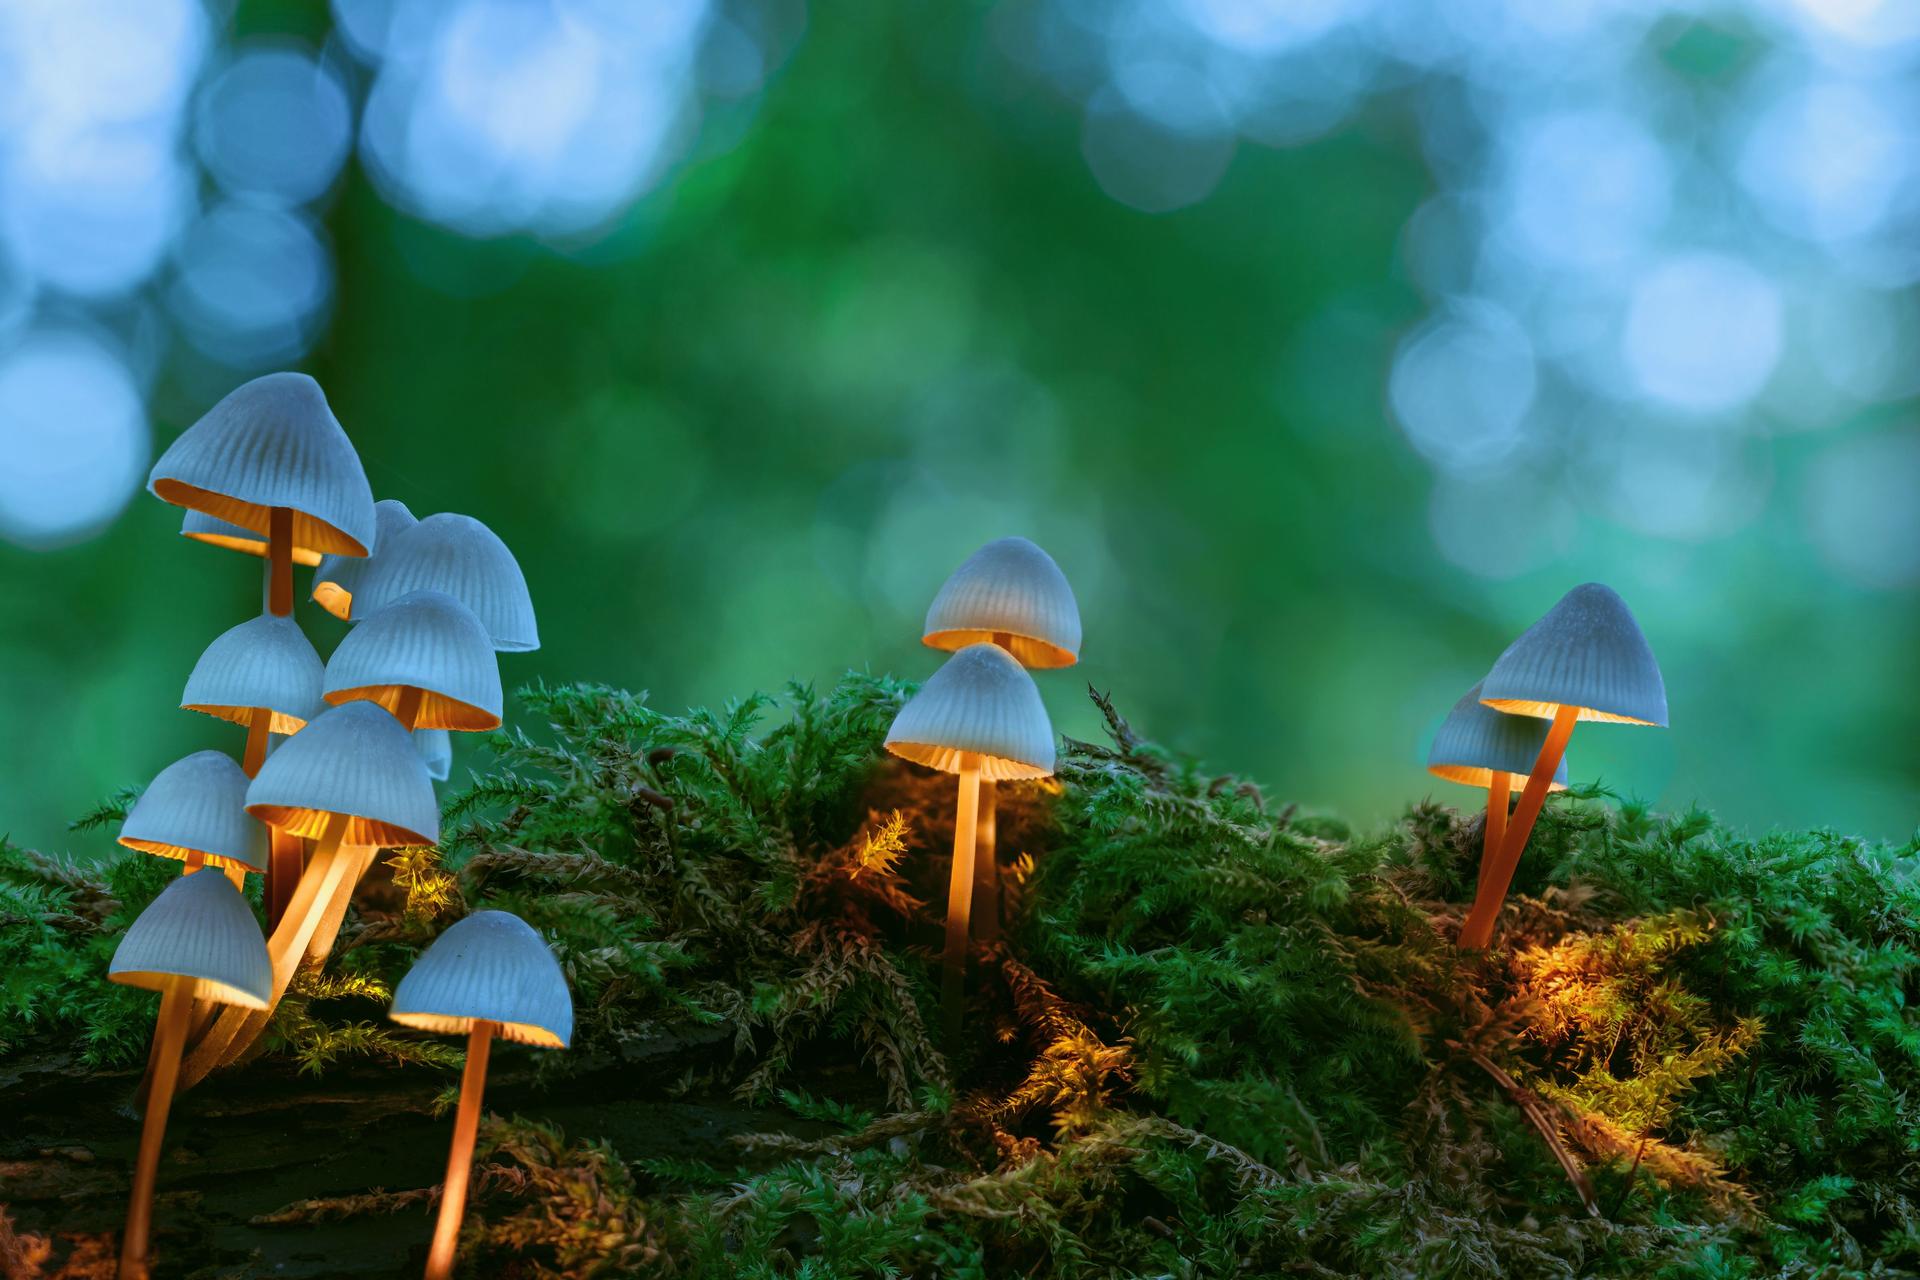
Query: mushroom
(462, 557)
(194, 811)
(334, 581)
(216, 532)
(1011, 593)
(271, 459)
(196, 941)
(489, 975)
(1585, 660)
(979, 716)
(1481, 747)
(350, 780)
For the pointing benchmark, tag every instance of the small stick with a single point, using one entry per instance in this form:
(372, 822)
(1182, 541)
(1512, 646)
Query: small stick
(953, 974)
(1478, 930)
(453, 1195)
(169, 1036)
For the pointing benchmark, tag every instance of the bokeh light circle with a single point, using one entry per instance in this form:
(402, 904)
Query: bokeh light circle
(252, 283)
(274, 122)
(1702, 332)
(74, 436)
(1462, 384)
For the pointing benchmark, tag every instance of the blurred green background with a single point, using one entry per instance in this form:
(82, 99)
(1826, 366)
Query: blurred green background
(1323, 345)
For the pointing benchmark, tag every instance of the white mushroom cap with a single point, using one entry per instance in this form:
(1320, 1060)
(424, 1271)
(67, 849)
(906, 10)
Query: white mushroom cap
(354, 759)
(273, 442)
(489, 967)
(462, 557)
(1013, 587)
(436, 748)
(1475, 742)
(1587, 652)
(197, 805)
(202, 527)
(199, 927)
(425, 640)
(264, 662)
(335, 579)
(981, 702)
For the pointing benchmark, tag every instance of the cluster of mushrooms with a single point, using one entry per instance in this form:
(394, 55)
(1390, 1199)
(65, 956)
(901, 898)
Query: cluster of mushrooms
(339, 762)
(1585, 660)
(1007, 608)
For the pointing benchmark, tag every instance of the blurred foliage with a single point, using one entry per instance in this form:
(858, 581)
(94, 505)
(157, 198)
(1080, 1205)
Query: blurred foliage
(1218, 1037)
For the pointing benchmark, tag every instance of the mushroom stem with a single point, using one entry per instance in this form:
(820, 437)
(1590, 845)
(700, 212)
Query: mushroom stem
(466, 1123)
(258, 725)
(286, 858)
(280, 561)
(986, 872)
(1498, 790)
(320, 945)
(169, 1035)
(953, 975)
(1477, 932)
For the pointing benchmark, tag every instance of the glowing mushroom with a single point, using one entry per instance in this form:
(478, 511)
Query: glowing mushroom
(1010, 593)
(1481, 747)
(194, 811)
(979, 716)
(1585, 660)
(335, 579)
(350, 780)
(462, 557)
(196, 941)
(489, 975)
(271, 459)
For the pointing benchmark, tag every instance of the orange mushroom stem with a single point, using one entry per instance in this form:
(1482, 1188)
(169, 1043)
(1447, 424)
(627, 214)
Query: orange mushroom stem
(1497, 874)
(466, 1124)
(953, 967)
(169, 1037)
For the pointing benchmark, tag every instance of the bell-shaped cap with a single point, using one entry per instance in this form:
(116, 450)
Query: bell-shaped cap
(198, 805)
(425, 640)
(199, 927)
(436, 748)
(1014, 588)
(489, 967)
(334, 581)
(462, 557)
(202, 527)
(981, 703)
(273, 442)
(1475, 742)
(354, 759)
(1587, 652)
(264, 662)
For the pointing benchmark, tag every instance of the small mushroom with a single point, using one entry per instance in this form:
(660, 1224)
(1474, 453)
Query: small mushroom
(196, 941)
(194, 811)
(271, 458)
(201, 527)
(1585, 660)
(263, 674)
(335, 579)
(352, 781)
(489, 975)
(462, 557)
(426, 659)
(978, 716)
(1011, 593)
(1481, 747)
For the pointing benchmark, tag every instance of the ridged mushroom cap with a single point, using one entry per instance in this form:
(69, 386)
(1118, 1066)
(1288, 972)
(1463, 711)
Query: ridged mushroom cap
(1475, 742)
(199, 927)
(264, 662)
(462, 557)
(1587, 652)
(353, 759)
(334, 580)
(273, 442)
(214, 531)
(490, 967)
(1009, 586)
(425, 640)
(981, 702)
(197, 804)
(436, 748)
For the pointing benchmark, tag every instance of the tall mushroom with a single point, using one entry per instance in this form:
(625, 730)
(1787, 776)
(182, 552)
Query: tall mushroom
(1585, 660)
(196, 941)
(263, 674)
(489, 975)
(978, 716)
(462, 557)
(336, 577)
(1009, 593)
(350, 780)
(1481, 747)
